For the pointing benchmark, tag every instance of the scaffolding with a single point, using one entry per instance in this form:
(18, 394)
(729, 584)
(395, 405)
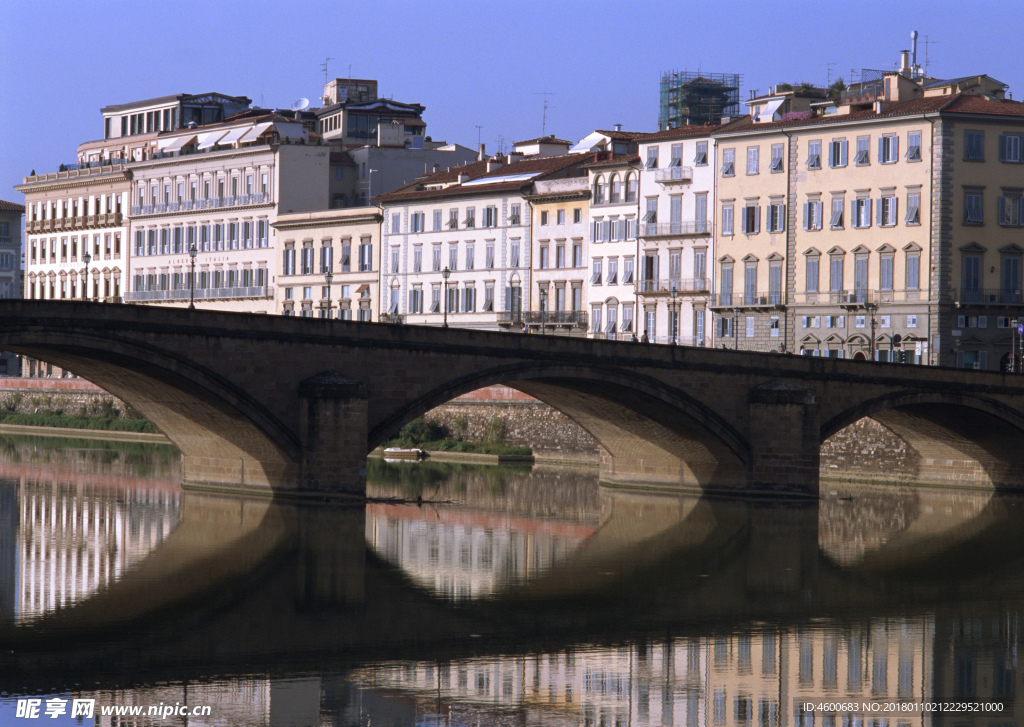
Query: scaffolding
(697, 98)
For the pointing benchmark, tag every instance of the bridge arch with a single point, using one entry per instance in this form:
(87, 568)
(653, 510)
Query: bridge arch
(957, 438)
(214, 422)
(649, 431)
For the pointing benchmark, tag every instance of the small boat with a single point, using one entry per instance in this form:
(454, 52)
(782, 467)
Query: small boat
(400, 453)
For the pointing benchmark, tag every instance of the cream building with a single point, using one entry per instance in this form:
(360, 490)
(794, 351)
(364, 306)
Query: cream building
(218, 190)
(342, 242)
(559, 212)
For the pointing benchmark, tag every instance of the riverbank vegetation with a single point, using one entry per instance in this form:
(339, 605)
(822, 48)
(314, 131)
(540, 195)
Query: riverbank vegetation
(433, 437)
(50, 411)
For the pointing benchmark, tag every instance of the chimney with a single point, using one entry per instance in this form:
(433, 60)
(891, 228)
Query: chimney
(618, 127)
(481, 154)
(493, 165)
(913, 41)
(905, 62)
(437, 167)
(463, 178)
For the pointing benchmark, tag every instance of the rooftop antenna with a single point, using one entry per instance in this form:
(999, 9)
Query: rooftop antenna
(478, 128)
(544, 119)
(324, 67)
(501, 145)
(926, 44)
(828, 67)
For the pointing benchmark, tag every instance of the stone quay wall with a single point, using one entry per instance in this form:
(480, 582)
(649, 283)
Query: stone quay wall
(52, 396)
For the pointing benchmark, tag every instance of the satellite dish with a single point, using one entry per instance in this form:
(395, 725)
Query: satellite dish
(300, 105)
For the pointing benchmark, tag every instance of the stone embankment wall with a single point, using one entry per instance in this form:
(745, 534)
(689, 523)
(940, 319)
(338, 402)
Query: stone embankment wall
(864, 450)
(57, 396)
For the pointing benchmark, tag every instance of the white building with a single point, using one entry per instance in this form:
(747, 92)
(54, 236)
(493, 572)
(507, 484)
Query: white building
(219, 188)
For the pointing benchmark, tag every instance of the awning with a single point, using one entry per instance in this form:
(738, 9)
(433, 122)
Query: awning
(361, 288)
(174, 143)
(233, 135)
(208, 140)
(771, 108)
(253, 133)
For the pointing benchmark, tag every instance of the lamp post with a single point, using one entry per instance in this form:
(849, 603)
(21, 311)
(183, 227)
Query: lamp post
(872, 308)
(543, 309)
(86, 258)
(674, 318)
(192, 278)
(1013, 346)
(735, 326)
(328, 276)
(446, 273)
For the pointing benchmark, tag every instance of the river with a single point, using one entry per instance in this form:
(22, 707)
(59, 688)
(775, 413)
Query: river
(474, 595)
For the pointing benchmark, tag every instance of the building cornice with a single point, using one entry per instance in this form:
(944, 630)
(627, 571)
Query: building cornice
(370, 218)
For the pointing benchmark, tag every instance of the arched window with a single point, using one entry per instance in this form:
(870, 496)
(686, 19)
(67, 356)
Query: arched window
(599, 190)
(615, 195)
(631, 188)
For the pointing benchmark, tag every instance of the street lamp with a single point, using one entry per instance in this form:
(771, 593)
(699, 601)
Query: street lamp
(872, 308)
(446, 273)
(674, 318)
(543, 309)
(192, 278)
(86, 258)
(328, 276)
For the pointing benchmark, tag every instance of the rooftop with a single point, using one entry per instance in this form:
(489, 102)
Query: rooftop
(11, 206)
(160, 100)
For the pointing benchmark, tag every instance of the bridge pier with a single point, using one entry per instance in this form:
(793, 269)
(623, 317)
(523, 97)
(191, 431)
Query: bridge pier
(334, 430)
(784, 424)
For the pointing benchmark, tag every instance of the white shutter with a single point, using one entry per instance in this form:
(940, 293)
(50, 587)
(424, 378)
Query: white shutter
(757, 219)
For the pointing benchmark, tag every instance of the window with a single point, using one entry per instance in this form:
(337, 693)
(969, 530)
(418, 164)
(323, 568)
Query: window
(365, 257)
(469, 299)
(595, 278)
(912, 321)
(513, 254)
(888, 149)
(676, 159)
(750, 283)
(560, 216)
(913, 270)
(913, 208)
(727, 214)
(453, 256)
(489, 255)
(652, 157)
(752, 159)
(307, 260)
(490, 216)
(776, 165)
(1011, 212)
(974, 146)
(863, 157)
(777, 217)
(885, 272)
(470, 256)
(544, 217)
(1010, 279)
(514, 215)
(416, 220)
(560, 256)
(860, 212)
(887, 211)
(836, 220)
(750, 326)
(814, 155)
(470, 218)
(453, 219)
(726, 292)
(613, 271)
(972, 208)
(971, 292)
(913, 146)
(436, 257)
(700, 159)
(1010, 148)
(437, 220)
(751, 219)
(417, 258)
(837, 153)
(627, 271)
(811, 273)
(577, 214)
(835, 273)
(775, 282)
(728, 162)
(544, 257)
(812, 214)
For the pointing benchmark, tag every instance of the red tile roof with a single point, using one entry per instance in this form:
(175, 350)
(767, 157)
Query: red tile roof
(681, 132)
(966, 104)
(11, 206)
(549, 139)
(623, 135)
(615, 160)
(541, 166)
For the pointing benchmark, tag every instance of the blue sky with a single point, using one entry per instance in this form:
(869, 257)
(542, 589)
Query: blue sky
(470, 63)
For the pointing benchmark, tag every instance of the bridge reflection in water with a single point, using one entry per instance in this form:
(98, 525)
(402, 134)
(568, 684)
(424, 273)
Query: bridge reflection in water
(513, 597)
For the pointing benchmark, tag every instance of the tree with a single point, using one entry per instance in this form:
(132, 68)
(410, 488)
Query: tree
(835, 91)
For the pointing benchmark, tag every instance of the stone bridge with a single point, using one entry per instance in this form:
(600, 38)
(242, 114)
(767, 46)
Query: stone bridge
(293, 405)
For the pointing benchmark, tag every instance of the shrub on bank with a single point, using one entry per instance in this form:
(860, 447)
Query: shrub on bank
(69, 421)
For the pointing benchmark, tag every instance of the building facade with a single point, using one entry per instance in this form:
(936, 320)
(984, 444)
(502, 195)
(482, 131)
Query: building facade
(344, 243)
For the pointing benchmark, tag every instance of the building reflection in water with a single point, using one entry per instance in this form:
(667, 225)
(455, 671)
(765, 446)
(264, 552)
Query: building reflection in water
(73, 522)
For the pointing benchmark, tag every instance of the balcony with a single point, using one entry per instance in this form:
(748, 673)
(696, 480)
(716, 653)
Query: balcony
(675, 229)
(771, 299)
(857, 299)
(241, 200)
(72, 224)
(554, 318)
(987, 296)
(673, 175)
(682, 286)
(396, 318)
(182, 294)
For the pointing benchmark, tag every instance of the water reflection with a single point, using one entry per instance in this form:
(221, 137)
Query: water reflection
(487, 596)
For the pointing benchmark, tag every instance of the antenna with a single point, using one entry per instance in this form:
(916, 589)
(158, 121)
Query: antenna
(323, 67)
(478, 128)
(828, 67)
(300, 104)
(544, 119)
(926, 44)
